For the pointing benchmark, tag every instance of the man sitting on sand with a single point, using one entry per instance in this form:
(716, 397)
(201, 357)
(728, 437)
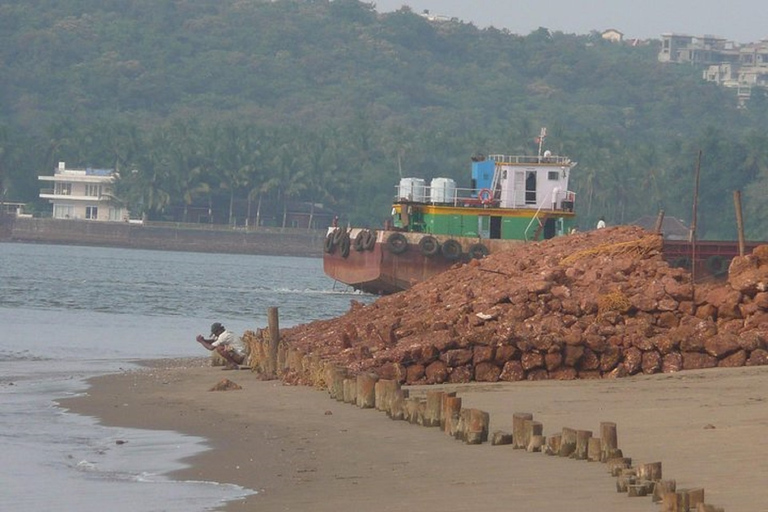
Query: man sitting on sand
(226, 343)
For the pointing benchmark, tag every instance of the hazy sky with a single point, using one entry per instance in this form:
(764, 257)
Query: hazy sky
(743, 21)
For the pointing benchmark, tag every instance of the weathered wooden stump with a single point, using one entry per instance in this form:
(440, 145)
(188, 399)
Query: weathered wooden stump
(460, 426)
(650, 471)
(500, 437)
(624, 481)
(609, 440)
(414, 411)
(350, 391)
(695, 497)
(662, 487)
(582, 442)
(366, 395)
(567, 442)
(553, 444)
(477, 428)
(433, 410)
(520, 437)
(336, 388)
(451, 409)
(682, 500)
(397, 408)
(385, 392)
(615, 466)
(594, 449)
(536, 443)
(444, 408)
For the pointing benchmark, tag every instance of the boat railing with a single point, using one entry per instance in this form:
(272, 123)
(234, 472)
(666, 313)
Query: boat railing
(481, 198)
(530, 159)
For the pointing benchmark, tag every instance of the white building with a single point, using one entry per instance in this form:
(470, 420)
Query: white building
(83, 194)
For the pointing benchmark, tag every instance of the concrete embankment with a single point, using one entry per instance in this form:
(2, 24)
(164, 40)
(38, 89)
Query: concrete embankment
(170, 237)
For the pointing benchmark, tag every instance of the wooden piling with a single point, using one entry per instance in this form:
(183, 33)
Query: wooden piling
(520, 439)
(567, 442)
(366, 396)
(609, 440)
(273, 322)
(582, 443)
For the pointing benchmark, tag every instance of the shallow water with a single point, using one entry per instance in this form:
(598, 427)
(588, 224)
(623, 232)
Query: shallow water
(69, 313)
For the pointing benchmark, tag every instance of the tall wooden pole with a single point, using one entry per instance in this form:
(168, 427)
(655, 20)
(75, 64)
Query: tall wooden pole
(694, 218)
(659, 222)
(739, 220)
(274, 339)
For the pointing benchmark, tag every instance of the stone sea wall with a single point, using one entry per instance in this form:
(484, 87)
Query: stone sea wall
(172, 237)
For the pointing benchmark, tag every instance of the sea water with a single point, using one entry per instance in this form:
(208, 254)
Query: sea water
(68, 313)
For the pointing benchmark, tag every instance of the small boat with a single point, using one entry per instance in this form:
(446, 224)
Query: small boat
(512, 199)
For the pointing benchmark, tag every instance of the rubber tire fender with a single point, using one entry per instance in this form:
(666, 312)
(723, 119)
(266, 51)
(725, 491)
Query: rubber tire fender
(360, 241)
(478, 251)
(370, 241)
(429, 246)
(329, 245)
(344, 245)
(451, 249)
(337, 234)
(397, 243)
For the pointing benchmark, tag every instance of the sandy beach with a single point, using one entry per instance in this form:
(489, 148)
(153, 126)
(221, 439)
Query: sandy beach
(300, 449)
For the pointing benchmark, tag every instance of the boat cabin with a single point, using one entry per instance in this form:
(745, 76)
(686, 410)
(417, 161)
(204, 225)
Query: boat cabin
(511, 197)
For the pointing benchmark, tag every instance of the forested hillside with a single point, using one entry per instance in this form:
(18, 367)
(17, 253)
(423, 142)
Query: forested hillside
(224, 103)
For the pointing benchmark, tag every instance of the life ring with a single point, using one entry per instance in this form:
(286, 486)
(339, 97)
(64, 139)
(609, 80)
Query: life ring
(485, 195)
(344, 245)
(429, 246)
(360, 240)
(717, 265)
(328, 244)
(451, 249)
(397, 243)
(337, 234)
(370, 240)
(478, 251)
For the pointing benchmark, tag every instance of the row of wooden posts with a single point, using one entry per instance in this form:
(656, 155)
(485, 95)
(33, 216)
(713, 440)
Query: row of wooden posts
(443, 409)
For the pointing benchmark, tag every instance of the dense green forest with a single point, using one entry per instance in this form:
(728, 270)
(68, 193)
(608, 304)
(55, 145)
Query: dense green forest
(225, 103)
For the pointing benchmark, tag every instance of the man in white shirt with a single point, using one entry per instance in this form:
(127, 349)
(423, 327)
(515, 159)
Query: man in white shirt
(226, 343)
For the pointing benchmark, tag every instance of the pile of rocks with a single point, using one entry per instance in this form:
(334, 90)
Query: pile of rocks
(589, 305)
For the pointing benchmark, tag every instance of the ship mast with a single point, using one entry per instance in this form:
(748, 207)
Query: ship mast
(540, 139)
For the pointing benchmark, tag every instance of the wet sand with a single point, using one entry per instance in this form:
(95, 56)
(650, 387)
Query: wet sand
(302, 450)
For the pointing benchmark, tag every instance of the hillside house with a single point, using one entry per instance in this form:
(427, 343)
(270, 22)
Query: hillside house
(82, 194)
(612, 35)
(728, 64)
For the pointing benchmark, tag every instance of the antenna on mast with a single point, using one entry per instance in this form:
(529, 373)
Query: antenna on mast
(540, 140)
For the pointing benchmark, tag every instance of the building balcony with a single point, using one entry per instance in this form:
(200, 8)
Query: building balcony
(52, 195)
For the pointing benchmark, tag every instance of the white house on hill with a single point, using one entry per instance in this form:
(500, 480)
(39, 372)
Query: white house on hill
(82, 194)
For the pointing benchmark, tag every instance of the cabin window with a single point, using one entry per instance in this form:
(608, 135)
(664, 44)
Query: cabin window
(553, 175)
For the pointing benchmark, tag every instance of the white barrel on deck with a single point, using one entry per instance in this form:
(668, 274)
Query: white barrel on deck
(442, 190)
(411, 189)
